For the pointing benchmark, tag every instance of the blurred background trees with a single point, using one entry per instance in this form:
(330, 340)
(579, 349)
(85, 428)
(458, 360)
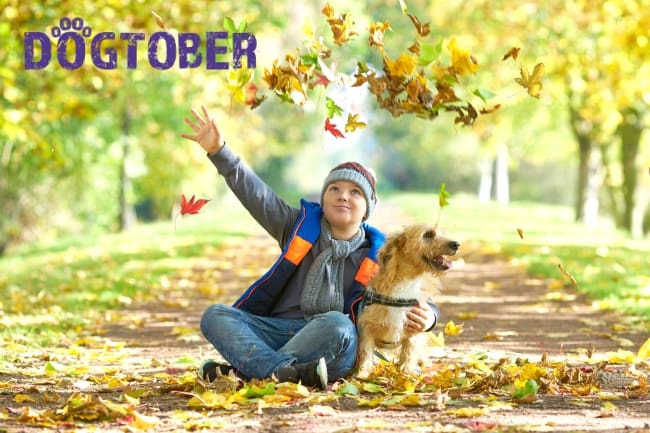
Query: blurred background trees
(93, 149)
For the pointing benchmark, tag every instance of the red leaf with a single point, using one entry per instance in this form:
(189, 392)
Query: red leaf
(322, 80)
(331, 128)
(191, 206)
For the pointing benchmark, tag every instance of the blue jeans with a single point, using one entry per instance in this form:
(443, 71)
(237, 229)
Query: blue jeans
(256, 346)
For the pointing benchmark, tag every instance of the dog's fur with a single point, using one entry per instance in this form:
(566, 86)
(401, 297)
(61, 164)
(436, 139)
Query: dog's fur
(410, 263)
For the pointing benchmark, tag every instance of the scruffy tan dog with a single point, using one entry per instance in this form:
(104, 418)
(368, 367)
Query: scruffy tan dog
(410, 263)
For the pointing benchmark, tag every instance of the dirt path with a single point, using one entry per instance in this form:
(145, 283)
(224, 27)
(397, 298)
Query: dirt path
(506, 315)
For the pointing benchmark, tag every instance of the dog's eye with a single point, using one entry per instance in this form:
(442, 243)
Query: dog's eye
(429, 234)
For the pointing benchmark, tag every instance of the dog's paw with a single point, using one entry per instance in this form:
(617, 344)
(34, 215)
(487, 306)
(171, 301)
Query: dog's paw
(364, 371)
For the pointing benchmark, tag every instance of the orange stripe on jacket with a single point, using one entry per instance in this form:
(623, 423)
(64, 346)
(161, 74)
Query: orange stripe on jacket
(297, 250)
(366, 271)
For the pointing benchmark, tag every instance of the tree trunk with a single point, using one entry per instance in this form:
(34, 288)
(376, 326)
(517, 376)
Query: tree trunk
(630, 132)
(584, 155)
(502, 181)
(485, 185)
(126, 212)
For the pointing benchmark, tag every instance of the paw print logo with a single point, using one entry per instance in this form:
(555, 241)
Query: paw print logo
(76, 24)
(75, 30)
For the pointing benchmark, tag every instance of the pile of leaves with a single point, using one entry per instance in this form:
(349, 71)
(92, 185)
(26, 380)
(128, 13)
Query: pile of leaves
(56, 393)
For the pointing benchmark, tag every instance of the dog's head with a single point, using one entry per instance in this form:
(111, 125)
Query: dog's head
(419, 246)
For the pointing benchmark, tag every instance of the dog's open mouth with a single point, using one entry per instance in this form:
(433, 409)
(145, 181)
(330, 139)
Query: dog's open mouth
(439, 262)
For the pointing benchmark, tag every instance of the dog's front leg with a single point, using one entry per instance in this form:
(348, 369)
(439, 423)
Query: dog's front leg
(366, 349)
(409, 353)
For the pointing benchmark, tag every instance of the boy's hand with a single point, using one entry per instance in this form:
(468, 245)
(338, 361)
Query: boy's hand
(419, 318)
(205, 132)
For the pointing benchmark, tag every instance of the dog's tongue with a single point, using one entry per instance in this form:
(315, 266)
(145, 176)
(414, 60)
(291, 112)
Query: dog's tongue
(446, 262)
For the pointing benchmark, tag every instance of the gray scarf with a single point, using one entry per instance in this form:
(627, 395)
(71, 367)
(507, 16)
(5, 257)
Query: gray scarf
(323, 289)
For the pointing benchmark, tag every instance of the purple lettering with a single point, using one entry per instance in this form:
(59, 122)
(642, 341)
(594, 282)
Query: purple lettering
(96, 51)
(248, 50)
(188, 44)
(211, 50)
(132, 48)
(80, 50)
(170, 50)
(46, 50)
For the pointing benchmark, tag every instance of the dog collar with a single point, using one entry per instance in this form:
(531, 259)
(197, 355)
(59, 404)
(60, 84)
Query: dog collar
(371, 297)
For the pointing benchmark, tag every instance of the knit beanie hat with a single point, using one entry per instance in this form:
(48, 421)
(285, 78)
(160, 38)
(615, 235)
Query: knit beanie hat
(359, 175)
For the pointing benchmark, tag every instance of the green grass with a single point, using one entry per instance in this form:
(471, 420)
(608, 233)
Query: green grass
(47, 289)
(607, 265)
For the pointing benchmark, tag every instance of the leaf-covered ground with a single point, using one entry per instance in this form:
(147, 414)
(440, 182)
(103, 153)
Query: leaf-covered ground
(528, 355)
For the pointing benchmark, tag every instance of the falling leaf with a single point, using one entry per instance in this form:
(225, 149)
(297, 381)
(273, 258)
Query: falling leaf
(532, 82)
(353, 123)
(443, 196)
(376, 33)
(461, 60)
(192, 207)
(159, 21)
(452, 329)
(422, 29)
(332, 108)
(520, 232)
(567, 274)
(404, 65)
(512, 52)
(403, 6)
(332, 129)
(340, 24)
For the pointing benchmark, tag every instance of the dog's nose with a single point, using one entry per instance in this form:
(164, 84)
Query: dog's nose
(454, 245)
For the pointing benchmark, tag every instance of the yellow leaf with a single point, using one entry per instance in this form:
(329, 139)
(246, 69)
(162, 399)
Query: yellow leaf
(22, 398)
(620, 357)
(437, 339)
(532, 82)
(144, 422)
(404, 65)
(567, 274)
(520, 232)
(411, 400)
(295, 390)
(467, 315)
(307, 29)
(353, 123)
(461, 60)
(644, 350)
(466, 412)
(452, 329)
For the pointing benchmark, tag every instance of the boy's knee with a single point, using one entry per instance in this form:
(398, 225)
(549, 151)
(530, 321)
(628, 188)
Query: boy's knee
(337, 323)
(211, 316)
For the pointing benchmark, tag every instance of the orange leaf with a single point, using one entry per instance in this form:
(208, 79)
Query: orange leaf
(512, 52)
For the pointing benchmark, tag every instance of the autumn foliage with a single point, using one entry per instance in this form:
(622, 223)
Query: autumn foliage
(420, 80)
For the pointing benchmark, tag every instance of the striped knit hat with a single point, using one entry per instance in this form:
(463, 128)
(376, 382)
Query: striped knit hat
(359, 175)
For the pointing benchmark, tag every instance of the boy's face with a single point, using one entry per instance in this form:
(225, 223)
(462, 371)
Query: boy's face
(344, 204)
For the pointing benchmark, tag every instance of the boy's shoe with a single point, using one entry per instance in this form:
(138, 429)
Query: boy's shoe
(210, 370)
(310, 374)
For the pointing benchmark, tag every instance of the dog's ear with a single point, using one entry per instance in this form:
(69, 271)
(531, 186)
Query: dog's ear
(387, 251)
